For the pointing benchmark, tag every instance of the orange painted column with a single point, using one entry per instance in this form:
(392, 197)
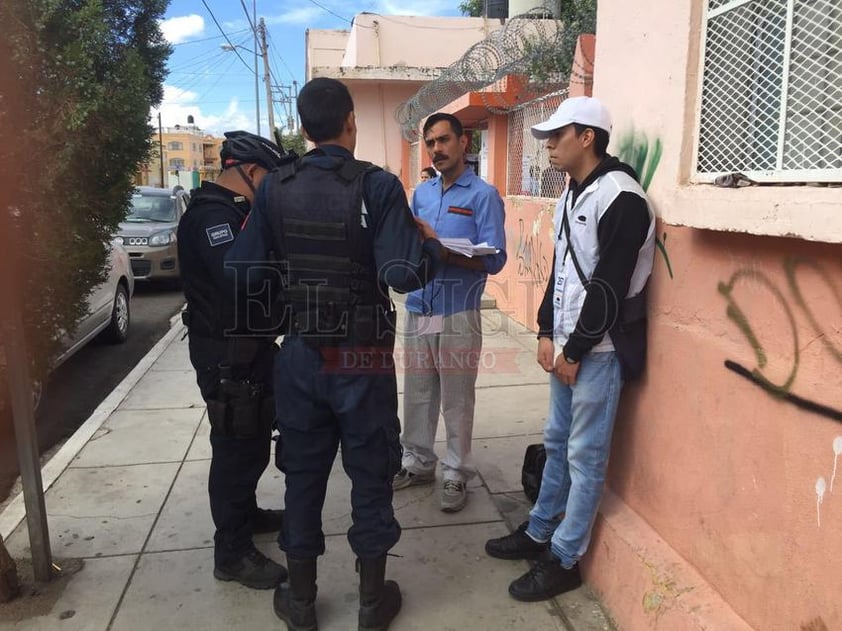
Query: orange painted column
(405, 175)
(498, 132)
(581, 74)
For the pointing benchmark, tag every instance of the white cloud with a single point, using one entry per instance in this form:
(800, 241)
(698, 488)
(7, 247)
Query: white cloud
(429, 7)
(178, 104)
(180, 29)
(301, 15)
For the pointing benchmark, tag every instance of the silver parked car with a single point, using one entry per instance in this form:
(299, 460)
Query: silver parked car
(109, 307)
(109, 315)
(148, 232)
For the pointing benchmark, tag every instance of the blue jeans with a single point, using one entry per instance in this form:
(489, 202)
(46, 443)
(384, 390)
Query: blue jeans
(578, 441)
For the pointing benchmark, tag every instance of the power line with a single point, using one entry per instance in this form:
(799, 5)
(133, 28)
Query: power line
(277, 52)
(421, 26)
(324, 8)
(344, 19)
(248, 17)
(227, 39)
(207, 39)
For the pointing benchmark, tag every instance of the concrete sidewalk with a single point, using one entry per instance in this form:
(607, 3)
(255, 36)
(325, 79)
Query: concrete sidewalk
(132, 503)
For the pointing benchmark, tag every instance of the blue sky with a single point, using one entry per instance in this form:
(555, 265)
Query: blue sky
(217, 87)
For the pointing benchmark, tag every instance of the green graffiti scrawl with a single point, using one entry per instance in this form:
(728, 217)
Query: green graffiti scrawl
(636, 151)
(738, 317)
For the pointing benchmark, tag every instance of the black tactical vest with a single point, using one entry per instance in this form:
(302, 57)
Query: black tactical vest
(211, 313)
(324, 239)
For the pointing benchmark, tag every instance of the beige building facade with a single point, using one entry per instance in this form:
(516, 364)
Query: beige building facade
(190, 156)
(384, 60)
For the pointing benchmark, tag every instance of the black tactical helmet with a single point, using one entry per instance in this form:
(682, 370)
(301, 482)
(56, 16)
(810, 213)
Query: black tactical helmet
(241, 147)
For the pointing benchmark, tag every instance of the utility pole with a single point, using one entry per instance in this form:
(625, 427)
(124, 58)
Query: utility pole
(295, 105)
(161, 148)
(23, 417)
(256, 74)
(267, 78)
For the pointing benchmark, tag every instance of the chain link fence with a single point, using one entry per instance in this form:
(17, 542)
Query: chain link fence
(530, 173)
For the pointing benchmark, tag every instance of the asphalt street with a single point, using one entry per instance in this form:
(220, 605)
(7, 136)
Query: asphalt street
(75, 389)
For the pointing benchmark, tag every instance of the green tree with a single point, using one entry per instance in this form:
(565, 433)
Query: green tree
(77, 79)
(553, 64)
(472, 8)
(295, 142)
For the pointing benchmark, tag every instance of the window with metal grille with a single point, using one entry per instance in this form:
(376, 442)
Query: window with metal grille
(175, 146)
(530, 173)
(771, 102)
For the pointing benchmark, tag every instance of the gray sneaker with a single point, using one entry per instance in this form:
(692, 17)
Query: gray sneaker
(454, 496)
(404, 479)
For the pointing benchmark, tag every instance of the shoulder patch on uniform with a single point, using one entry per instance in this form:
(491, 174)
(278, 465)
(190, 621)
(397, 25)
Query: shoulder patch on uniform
(217, 235)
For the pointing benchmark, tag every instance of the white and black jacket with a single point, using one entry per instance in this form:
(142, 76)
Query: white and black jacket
(612, 230)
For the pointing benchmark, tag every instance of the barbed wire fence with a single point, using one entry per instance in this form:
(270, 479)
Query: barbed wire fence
(532, 46)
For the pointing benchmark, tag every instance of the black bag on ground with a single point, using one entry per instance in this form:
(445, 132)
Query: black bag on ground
(533, 470)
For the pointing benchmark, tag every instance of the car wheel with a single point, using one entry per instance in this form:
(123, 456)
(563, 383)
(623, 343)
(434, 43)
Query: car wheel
(118, 328)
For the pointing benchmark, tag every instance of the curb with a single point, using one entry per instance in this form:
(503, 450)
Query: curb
(15, 511)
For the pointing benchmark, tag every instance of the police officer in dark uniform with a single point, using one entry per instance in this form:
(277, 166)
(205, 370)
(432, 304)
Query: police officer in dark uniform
(233, 366)
(344, 233)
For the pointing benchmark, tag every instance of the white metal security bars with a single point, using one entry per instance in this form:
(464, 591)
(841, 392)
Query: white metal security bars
(530, 173)
(771, 103)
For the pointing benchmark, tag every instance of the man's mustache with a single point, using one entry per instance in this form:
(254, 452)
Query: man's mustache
(439, 156)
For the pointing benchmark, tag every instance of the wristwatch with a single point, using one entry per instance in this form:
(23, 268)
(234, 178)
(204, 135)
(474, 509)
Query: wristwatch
(570, 361)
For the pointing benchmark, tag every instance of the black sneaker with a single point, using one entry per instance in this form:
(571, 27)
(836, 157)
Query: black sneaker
(266, 521)
(546, 579)
(517, 545)
(253, 570)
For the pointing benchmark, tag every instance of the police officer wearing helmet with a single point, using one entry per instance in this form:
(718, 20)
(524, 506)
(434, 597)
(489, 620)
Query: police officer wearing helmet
(344, 233)
(233, 366)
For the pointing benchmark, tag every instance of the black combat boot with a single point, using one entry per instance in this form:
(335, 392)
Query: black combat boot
(265, 520)
(295, 601)
(252, 569)
(380, 600)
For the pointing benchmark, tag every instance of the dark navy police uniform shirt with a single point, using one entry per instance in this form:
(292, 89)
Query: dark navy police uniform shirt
(398, 250)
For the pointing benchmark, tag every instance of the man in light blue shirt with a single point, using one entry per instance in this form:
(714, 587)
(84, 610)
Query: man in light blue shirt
(443, 337)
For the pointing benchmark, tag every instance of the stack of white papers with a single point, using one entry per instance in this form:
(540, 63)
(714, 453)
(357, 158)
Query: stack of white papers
(466, 248)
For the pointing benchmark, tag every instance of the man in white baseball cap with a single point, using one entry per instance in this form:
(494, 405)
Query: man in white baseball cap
(584, 110)
(591, 339)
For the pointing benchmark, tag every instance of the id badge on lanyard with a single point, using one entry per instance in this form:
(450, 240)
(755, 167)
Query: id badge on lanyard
(558, 288)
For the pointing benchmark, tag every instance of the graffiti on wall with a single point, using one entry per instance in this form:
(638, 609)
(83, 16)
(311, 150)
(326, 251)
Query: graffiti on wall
(644, 157)
(782, 387)
(757, 375)
(533, 262)
(821, 482)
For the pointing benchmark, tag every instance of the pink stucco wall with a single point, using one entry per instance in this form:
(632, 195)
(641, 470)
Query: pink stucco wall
(730, 480)
(407, 40)
(724, 471)
(378, 136)
(518, 289)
